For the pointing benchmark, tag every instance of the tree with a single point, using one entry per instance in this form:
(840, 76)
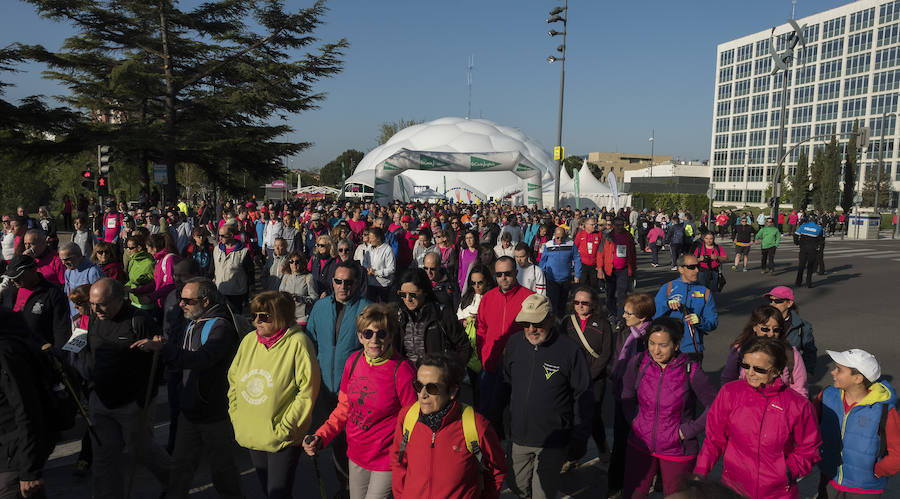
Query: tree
(330, 174)
(826, 173)
(798, 195)
(850, 171)
(200, 86)
(389, 128)
(869, 184)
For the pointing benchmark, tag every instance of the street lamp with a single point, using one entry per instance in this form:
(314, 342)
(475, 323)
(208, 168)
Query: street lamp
(652, 143)
(557, 15)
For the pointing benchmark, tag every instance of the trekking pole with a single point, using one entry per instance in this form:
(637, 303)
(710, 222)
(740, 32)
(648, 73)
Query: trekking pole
(684, 315)
(315, 458)
(144, 414)
(59, 369)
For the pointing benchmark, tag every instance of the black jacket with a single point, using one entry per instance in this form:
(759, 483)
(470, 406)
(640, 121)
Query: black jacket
(119, 373)
(443, 333)
(25, 442)
(46, 312)
(446, 292)
(202, 369)
(549, 386)
(600, 337)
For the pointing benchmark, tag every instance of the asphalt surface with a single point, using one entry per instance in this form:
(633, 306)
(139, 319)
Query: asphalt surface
(855, 305)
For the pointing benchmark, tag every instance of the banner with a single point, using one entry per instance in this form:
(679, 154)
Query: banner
(614, 189)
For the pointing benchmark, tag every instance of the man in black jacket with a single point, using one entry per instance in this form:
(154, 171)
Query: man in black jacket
(120, 378)
(43, 305)
(551, 402)
(25, 441)
(202, 354)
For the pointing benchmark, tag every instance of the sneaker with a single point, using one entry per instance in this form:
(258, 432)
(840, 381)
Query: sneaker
(745, 269)
(734, 268)
(654, 265)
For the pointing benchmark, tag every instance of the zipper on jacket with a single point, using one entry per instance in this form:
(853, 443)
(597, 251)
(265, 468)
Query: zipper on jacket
(530, 382)
(840, 478)
(762, 422)
(656, 418)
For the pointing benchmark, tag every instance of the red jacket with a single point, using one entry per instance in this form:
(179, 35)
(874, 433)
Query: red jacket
(496, 322)
(439, 465)
(588, 246)
(605, 258)
(769, 438)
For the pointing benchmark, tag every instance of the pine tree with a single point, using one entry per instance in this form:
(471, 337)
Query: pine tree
(884, 191)
(850, 171)
(799, 192)
(831, 174)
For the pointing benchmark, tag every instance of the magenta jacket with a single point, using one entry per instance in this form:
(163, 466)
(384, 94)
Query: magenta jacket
(163, 279)
(660, 402)
(769, 437)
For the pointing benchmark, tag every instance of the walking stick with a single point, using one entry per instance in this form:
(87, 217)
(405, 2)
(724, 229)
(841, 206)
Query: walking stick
(144, 414)
(62, 373)
(315, 459)
(684, 315)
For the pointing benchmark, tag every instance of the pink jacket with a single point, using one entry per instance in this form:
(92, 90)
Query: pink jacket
(163, 278)
(732, 371)
(769, 437)
(368, 403)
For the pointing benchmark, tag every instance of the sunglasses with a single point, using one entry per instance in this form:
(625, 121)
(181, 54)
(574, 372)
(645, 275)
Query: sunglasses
(319, 245)
(504, 273)
(477, 283)
(66, 259)
(102, 252)
(692, 266)
(343, 250)
(342, 282)
(432, 269)
(430, 388)
(190, 301)
(131, 247)
(756, 369)
(380, 334)
(767, 329)
(261, 317)
(532, 325)
(579, 302)
(777, 300)
(296, 262)
(404, 295)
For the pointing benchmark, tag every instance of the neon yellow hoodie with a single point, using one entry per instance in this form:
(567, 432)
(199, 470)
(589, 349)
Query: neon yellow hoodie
(271, 392)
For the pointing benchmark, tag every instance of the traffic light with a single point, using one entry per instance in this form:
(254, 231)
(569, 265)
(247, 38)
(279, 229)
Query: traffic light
(87, 179)
(103, 186)
(864, 135)
(103, 159)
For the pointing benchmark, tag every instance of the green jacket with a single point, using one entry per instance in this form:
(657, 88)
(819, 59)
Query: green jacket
(140, 271)
(769, 237)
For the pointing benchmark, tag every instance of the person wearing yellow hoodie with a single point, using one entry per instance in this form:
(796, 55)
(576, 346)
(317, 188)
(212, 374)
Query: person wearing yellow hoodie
(273, 384)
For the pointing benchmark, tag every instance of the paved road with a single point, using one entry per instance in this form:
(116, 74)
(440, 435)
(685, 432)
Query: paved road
(855, 305)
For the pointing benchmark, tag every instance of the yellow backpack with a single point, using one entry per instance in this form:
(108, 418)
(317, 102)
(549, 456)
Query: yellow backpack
(470, 433)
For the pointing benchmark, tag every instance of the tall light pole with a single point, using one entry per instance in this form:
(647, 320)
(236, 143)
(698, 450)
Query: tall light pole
(559, 14)
(652, 142)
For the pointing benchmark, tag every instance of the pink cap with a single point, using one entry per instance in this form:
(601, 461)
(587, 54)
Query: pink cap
(783, 292)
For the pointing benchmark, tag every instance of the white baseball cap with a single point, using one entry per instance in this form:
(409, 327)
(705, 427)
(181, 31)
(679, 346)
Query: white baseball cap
(861, 360)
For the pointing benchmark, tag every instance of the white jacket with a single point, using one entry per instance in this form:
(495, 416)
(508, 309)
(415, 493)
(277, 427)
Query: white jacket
(532, 277)
(382, 260)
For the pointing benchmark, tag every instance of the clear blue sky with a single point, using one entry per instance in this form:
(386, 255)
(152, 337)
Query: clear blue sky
(632, 66)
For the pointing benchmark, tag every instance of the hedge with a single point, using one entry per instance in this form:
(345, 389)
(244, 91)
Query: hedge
(671, 202)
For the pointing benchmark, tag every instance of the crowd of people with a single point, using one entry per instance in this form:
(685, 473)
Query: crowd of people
(437, 350)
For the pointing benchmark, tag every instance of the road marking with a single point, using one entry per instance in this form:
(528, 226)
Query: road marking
(869, 254)
(887, 254)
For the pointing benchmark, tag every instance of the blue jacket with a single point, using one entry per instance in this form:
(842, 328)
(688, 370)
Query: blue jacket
(530, 232)
(810, 229)
(86, 273)
(697, 299)
(557, 260)
(850, 442)
(333, 352)
(800, 335)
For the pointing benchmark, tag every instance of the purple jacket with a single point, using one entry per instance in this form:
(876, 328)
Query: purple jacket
(660, 402)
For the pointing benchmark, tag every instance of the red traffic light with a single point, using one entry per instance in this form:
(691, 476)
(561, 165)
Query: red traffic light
(101, 182)
(87, 174)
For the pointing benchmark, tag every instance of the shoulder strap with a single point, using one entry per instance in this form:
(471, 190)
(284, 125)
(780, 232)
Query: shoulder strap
(668, 290)
(637, 368)
(207, 327)
(583, 339)
(353, 365)
(470, 433)
(409, 421)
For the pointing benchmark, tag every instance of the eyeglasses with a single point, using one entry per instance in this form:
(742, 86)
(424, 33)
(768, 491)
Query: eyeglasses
(378, 333)
(66, 259)
(296, 262)
(102, 252)
(342, 282)
(432, 269)
(504, 273)
(532, 325)
(224, 235)
(767, 329)
(777, 300)
(756, 369)
(261, 317)
(625, 312)
(404, 295)
(430, 388)
(581, 303)
(478, 283)
(132, 248)
(343, 250)
(320, 245)
(190, 301)
(692, 266)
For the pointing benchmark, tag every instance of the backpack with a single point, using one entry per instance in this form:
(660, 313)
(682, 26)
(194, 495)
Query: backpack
(470, 433)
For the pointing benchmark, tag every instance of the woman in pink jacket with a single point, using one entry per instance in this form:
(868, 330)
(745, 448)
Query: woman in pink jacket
(162, 247)
(376, 384)
(767, 433)
(767, 320)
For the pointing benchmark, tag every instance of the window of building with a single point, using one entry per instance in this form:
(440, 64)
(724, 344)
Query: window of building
(776, 98)
(875, 126)
(778, 79)
(759, 120)
(886, 103)
(734, 196)
(811, 33)
(723, 108)
(795, 153)
(799, 133)
(758, 138)
(826, 111)
(725, 91)
(853, 107)
(805, 94)
(738, 140)
(762, 47)
(775, 118)
(829, 90)
(888, 35)
(833, 48)
(718, 174)
(887, 80)
(802, 114)
(762, 66)
(826, 128)
(847, 126)
(736, 174)
(859, 42)
(806, 55)
(743, 70)
(726, 57)
(721, 142)
(760, 102)
(720, 195)
(744, 52)
(741, 88)
(756, 157)
(862, 19)
(739, 122)
(722, 125)
(720, 158)
(761, 83)
(773, 137)
(741, 105)
(754, 195)
(834, 27)
(856, 86)
(773, 155)
(806, 75)
(858, 64)
(725, 74)
(889, 12)
(887, 58)
(830, 69)
(875, 147)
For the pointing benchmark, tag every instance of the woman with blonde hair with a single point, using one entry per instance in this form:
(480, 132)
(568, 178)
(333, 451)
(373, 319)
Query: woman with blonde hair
(273, 384)
(321, 264)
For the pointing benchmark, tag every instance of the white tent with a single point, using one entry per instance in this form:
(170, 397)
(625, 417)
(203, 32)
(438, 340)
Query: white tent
(592, 192)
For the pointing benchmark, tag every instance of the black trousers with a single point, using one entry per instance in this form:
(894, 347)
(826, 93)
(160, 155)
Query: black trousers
(589, 277)
(616, 289)
(276, 470)
(807, 262)
(558, 292)
(768, 258)
(621, 428)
